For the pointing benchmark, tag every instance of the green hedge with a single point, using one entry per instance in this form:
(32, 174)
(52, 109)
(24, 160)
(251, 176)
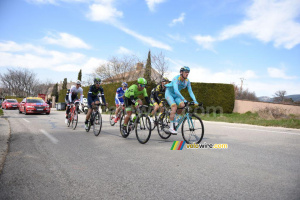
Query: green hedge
(214, 96)
(62, 95)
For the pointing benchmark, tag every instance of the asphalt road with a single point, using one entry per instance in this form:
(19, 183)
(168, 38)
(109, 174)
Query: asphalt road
(48, 160)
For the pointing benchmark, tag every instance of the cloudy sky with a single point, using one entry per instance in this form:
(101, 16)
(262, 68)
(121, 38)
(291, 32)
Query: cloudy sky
(221, 41)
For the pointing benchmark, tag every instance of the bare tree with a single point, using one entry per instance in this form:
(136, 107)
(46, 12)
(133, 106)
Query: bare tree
(116, 69)
(279, 96)
(160, 64)
(244, 94)
(22, 82)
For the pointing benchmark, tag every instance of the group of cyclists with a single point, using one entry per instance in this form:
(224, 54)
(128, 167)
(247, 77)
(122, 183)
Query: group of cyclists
(128, 96)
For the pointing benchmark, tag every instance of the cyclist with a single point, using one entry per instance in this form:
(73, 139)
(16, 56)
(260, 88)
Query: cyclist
(68, 104)
(131, 98)
(156, 95)
(93, 98)
(174, 97)
(73, 95)
(119, 100)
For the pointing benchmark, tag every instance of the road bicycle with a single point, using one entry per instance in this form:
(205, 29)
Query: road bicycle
(119, 114)
(140, 123)
(73, 114)
(95, 120)
(192, 127)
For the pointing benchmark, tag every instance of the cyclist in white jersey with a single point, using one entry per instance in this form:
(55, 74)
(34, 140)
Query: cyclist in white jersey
(73, 95)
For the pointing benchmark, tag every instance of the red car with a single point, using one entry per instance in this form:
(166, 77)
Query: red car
(34, 105)
(10, 104)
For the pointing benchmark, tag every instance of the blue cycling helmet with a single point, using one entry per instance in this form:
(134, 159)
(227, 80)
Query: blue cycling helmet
(124, 84)
(185, 69)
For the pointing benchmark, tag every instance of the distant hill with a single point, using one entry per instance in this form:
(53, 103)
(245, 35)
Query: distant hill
(265, 99)
(295, 97)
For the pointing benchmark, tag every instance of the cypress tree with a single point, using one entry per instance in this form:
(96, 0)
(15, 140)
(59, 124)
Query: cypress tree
(147, 74)
(64, 86)
(79, 75)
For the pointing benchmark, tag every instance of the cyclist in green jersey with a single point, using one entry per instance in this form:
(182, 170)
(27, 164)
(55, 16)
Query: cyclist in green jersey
(131, 98)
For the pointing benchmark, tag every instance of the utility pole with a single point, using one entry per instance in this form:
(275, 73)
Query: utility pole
(242, 82)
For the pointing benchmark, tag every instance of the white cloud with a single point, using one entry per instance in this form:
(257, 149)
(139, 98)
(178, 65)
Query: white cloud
(123, 50)
(148, 40)
(30, 56)
(279, 73)
(178, 20)
(203, 74)
(104, 12)
(269, 21)
(152, 3)
(177, 37)
(66, 40)
(205, 41)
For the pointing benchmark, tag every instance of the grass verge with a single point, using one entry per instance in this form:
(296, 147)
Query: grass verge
(1, 112)
(290, 121)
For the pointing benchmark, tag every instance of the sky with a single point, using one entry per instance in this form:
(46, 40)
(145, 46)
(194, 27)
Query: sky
(222, 41)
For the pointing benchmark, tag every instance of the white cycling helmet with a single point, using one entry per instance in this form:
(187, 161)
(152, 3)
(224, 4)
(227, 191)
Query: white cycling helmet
(78, 82)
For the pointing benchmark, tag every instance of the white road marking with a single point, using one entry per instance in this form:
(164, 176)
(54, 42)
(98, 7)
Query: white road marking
(26, 120)
(53, 139)
(290, 133)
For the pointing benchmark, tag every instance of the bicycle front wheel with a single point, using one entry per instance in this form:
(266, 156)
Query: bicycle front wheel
(69, 119)
(163, 126)
(112, 117)
(143, 129)
(75, 119)
(192, 129)
(97, 125)
(122, 131)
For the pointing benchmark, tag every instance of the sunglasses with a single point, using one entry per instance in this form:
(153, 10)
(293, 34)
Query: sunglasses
(98, 83)
(142, 85)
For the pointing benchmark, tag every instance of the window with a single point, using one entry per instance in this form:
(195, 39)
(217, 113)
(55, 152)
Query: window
(35, 101)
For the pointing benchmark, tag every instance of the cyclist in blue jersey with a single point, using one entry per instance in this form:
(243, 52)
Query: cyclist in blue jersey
(119, 99)
(174, 96)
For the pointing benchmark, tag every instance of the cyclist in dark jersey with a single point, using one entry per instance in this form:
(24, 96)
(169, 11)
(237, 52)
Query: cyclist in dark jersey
(94, 91)
(157, 94)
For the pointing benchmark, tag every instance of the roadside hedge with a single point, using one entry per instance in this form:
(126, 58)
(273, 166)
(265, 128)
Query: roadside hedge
(215, 97)
(14, 97)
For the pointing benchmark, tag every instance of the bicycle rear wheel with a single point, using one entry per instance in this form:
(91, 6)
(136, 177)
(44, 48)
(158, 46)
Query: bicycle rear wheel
(75, 119)
(97, 125)
(122, 131)
(143, 128)
(112, 117)
(163, 124)
(192, 129)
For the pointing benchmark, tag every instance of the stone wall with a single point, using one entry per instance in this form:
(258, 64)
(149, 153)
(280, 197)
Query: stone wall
(242, 106)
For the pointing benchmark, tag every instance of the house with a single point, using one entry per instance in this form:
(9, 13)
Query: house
(133, 75)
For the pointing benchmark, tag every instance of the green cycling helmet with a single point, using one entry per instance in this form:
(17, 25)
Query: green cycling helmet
(142, 81)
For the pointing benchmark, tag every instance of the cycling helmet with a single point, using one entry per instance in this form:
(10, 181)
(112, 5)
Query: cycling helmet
(142, 81)
(78, 82)
(124, 84)
(68, 90)
(185, 69)
(165, 79)
(97, 80)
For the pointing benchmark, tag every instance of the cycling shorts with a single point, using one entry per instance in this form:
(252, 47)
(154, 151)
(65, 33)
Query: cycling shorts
(172, 98)
(91, 100)
(121, 101)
